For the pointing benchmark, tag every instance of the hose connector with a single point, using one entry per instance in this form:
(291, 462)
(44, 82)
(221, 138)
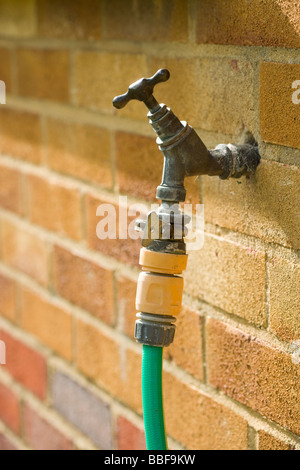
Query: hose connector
(159, 296)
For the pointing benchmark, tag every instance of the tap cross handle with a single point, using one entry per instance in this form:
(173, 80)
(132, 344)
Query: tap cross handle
(142, 90)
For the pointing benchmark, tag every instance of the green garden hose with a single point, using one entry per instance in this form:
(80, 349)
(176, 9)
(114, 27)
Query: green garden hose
(153, 398)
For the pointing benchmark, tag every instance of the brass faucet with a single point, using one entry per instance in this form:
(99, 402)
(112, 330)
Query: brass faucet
(184, 152)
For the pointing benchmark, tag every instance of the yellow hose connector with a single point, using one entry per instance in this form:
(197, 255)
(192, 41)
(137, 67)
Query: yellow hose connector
(158, 262)
(159, 296)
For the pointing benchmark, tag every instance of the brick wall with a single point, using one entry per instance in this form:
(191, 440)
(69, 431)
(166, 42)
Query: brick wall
(72, 378)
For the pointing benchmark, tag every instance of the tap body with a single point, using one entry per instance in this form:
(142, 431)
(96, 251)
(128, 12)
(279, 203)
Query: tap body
(184, 152)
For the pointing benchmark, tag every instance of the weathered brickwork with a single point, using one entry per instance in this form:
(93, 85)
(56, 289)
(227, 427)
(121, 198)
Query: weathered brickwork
(72, 373)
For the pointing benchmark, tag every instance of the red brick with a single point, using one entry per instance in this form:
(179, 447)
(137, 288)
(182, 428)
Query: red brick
(20, 134)
(69, 19)
(124, 250)
(26, 365)
(80, 150)
(139, 165)
(25, 251)
(10, 189)
(255, 23)
(55, 206)
(8, 300)
(41, 435)
(84, 283)
(34, 82)
(254, 373)
(129, 436)
(9, 408)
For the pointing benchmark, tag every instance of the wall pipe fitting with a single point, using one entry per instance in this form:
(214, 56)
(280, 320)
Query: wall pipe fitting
(163, 255)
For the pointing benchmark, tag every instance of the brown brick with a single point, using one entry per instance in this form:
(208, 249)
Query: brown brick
(110, 364)
(268, 442)
(49, 323)
(84, 283)
(186, 351)
(129, 436)
(284, 299)
(7, 297)
(43, 74)
(126, 305)
(215, 94)
(79, 150)
(229, 276)
(41, 435)
(151, 21)
(265, 206)
(254, 373)
(25, 251)
(70, 20)
(55, 206)
(9, 408)
(6, 67)
(26, 365)
(20, 134)
(93, 84)
(124, 250)
(17, 19)
(255, 23)
(279, 111)
(204, 423)
(10, 189)
(139, 165)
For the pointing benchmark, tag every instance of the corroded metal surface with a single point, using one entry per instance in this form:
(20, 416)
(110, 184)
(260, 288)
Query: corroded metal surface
(184, 152)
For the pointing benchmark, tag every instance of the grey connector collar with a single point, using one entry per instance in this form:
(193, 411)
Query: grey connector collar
(154, 330)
